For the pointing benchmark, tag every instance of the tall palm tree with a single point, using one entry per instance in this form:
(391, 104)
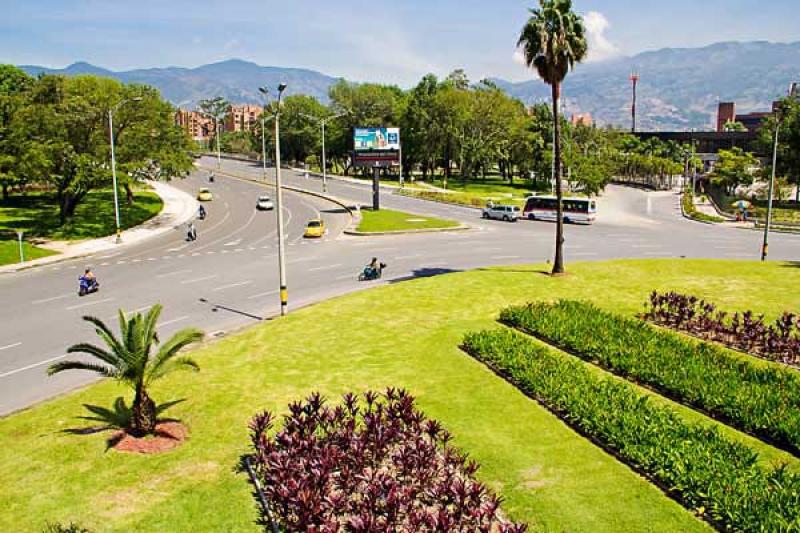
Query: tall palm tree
(129, 359)
(552, 41)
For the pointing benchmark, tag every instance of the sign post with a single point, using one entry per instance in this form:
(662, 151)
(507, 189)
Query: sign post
(21, 249)
(376, 188)
(376, 148)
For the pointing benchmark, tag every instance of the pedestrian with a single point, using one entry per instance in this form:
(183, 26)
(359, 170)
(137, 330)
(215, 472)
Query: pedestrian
(191, 232)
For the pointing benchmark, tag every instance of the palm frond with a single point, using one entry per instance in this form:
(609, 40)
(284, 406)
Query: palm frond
(104, 371)
(99, 353)
(105, 333)
(166, 405)
(170, 349)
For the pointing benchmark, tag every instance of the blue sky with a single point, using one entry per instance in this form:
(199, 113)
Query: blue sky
(393, 42)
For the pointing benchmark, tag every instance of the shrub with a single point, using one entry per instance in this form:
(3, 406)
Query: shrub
(744, 331)
(371, 465)
(716, 477)
(760, 400)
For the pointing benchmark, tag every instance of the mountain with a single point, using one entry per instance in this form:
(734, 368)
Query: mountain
(678, 89)
(236, 80)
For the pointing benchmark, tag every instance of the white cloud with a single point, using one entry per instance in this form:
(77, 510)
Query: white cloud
(600, 48)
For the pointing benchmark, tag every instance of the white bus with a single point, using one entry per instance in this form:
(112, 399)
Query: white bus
(576, 210)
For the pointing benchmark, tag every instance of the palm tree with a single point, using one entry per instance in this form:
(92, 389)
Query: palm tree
(129, 360)
(552, 41)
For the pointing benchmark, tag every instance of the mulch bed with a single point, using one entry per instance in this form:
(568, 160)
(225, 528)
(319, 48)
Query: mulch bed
(168, 435)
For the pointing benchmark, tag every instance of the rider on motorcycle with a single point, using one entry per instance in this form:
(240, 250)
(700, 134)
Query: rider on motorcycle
(201, 212)
(89, 275)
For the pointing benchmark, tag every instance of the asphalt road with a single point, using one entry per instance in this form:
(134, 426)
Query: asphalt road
(228, 277)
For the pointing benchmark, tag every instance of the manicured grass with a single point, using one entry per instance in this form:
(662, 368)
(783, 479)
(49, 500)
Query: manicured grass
(37, 215)
(549, 475)
(9, 252)
(389, 220)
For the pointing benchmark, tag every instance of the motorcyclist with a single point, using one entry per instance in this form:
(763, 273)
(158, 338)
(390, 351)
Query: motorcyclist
(211, 177)
(201, 212)
(191, 232)
(89, 276)
(373, 267)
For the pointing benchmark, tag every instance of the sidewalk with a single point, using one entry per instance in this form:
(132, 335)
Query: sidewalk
(179, 208)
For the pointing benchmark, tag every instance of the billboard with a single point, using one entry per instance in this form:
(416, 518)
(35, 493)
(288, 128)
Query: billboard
(376, 146)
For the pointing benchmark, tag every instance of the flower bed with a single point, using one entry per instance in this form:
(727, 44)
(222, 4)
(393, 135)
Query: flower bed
(745, 331)
(371, 464)
(715, 477)
(763, 401)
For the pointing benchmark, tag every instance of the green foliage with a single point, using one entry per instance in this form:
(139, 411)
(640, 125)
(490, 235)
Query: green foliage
(389, 220)
(760, 400)
(734, 168)
(692, 212)
(715, 477)
(788, 141)
(732, 125)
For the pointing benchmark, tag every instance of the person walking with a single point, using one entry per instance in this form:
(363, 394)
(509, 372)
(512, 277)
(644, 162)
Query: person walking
(191, 232)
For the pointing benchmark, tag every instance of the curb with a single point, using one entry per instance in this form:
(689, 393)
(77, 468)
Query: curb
(107, 243)
(405, 232)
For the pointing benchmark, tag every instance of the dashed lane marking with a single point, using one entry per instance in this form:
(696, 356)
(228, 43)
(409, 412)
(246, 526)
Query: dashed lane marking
(34, 365)
(232, 285)
(326, 267)
(88, 304)
(8, 346)
(54, 298)
(167, 274)
(198, 280)
(173, 321)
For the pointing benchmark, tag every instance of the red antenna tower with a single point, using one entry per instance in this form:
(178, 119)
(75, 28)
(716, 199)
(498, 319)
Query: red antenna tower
(634, 81)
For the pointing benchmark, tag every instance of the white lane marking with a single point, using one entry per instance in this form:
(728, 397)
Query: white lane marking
(167, 274)
(122, 261)
(88, 304)
(174, 320)
(582, 254)
(198, 280)
(104, 264)
(401, 257)
(233, 243)
(151, 258)
(232, 285)
(326, 267)
(239, 250)
(508, 257)
(346, 276)
(111, 255)
(261, 294)
(28, 367)
(7, 346)
(54, 298)
(135, 260)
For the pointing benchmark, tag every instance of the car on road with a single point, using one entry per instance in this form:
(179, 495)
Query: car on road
(264, 203)
(204, 195)
(315, 228)
(575, 210)
(508, 213)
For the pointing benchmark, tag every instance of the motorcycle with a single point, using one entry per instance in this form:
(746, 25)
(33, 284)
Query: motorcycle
(371, 274)
(201, 214)
(87, 286)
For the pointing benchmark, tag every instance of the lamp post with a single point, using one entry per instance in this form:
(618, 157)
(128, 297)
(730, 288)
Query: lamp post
(278, 198)
(793, 89)
(323, 122)
(114, 161)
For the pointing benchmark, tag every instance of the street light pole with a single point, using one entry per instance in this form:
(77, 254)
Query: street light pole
(278, 202)
(264, 143)
(114, 163)
(323, 122)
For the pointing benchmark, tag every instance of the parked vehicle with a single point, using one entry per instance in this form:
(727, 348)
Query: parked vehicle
(507, 213)
(315, 228)
(576, 210)
(264, 203)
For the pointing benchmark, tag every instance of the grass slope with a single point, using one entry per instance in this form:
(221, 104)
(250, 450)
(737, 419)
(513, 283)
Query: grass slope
(9, 252)
(389, 220)
(37, 215)
(549, 476)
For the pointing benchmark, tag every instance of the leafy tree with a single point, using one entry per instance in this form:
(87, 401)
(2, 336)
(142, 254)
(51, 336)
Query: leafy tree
(217, 109)
(14, 87)
(420, 143)
(734, 168)
(552, 41)
(788, 141)
(130, 360)
(733, 125)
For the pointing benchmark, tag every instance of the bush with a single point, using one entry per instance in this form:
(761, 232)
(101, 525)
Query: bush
(716, 477)
(376, 465)
(743, 331)
(691, 212)
(763, 401)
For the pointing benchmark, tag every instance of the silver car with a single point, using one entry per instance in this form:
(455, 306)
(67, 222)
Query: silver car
(264, 203)
(508, 213)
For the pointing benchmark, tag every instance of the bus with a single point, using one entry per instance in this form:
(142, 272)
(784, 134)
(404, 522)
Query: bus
(576, 210)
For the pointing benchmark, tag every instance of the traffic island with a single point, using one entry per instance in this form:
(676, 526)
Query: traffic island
(390, 222)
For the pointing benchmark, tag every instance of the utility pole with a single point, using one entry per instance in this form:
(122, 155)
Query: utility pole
(634, 82)
(284, 293)
(114, 163)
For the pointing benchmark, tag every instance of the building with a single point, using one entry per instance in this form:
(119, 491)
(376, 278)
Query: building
(583, 119)
(199, 126)
(726, 112)
(242, 117)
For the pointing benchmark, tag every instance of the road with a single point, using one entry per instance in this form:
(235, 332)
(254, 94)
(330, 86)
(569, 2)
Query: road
(228, 277)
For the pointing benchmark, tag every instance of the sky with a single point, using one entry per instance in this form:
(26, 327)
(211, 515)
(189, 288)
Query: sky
(388, 42)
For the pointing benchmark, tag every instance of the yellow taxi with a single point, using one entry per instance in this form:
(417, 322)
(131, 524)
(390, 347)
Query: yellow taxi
(204, 195)
(315, 228)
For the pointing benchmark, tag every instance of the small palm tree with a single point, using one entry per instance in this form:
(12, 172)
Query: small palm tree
(129, 359)
(552, 41)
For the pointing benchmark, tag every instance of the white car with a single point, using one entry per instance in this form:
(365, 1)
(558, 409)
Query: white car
(508, 213)
(264, 203)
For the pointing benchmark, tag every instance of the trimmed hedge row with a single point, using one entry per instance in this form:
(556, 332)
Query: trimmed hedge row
(761, 400)
(715, 477)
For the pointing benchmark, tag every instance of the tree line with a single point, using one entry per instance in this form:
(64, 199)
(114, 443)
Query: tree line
(54, 135)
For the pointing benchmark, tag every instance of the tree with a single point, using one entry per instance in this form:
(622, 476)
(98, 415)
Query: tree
(735, 167)
(129, 359)
(217, 109)
(552, 41)
(733, 125)
(14, 87)
(788, 142)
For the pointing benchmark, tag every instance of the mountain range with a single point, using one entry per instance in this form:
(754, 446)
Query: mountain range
(679, 88)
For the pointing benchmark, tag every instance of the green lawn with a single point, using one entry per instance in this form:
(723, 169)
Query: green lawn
(389, 220)
(404, 335)
(37, 215)
(9, 252)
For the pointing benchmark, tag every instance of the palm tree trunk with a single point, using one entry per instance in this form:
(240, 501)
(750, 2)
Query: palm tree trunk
(558, 263)
(144, 413)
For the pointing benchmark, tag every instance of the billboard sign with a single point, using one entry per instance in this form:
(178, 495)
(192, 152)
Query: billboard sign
(376, 146)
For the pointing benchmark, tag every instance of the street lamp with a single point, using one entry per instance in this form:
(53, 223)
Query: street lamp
(323, 122)
(278, 195)
(779, 116)
(265, 92)
(111, 112)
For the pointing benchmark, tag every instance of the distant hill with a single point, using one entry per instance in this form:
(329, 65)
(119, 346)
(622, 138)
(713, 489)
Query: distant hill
(236, 80)
(679, 87)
